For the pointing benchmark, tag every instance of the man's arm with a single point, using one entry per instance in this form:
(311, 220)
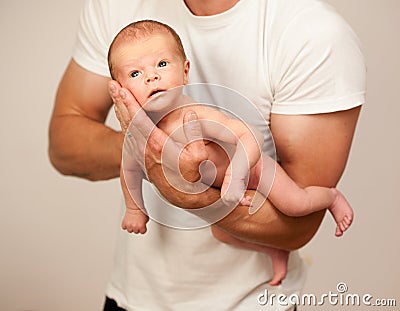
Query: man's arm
(313, 150)
(80, 143)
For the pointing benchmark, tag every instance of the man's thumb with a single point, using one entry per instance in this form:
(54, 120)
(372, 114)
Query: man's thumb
(192, 127)
(194, 134)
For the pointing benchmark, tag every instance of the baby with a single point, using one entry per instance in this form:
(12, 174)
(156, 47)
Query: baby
(147, 58)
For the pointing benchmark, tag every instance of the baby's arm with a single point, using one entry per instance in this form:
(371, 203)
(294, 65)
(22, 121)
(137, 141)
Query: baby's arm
(131, 175)
(247, 154)
(248, 150)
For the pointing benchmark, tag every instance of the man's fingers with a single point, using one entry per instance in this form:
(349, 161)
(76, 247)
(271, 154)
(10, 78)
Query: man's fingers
(157, 141)
(120, 109)
(123, 98)
(137, 116)
(194, 135)
(192, 127)
(128, 110)
(133, 118)
(129, 101)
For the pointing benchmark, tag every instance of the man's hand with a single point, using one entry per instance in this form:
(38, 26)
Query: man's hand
(151, 145)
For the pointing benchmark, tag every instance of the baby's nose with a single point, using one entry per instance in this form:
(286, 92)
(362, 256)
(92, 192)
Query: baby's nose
(152, 76)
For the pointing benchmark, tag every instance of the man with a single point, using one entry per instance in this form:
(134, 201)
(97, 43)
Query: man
(296, 60)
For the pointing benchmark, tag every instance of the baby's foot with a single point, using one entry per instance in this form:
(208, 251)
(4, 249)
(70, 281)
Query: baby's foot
(279, 259)
(341, 212)
(135, 221)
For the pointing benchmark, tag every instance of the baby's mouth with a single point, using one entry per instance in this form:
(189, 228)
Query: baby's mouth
(155, 92)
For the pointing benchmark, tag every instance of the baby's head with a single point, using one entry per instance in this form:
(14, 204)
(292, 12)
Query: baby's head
(147, 57)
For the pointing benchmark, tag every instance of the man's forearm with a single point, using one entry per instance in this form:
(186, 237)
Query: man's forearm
(267, 226)
(85, 148)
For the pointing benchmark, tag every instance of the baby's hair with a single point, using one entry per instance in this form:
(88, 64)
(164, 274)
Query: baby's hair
(142, 29)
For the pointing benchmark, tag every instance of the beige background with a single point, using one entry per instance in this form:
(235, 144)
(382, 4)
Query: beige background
(57, 233)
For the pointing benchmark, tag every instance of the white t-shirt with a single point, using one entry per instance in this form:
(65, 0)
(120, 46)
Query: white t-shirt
(286, 57)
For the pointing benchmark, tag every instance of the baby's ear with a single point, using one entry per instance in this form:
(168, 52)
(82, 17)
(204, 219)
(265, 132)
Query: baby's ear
(186, 68)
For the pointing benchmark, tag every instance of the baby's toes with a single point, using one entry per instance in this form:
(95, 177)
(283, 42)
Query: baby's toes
(338, 232)
(348, 220)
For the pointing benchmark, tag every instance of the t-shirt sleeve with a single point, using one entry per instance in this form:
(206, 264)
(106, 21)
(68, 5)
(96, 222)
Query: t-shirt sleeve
(92, 41)
(316, 62)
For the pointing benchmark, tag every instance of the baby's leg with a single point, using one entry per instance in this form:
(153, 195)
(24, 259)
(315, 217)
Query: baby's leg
(135, 219)
(293, 200)
(279, 257)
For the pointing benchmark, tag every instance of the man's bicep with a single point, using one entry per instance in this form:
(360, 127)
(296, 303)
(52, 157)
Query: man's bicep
(82, 93)
(313, 149)
(79, 142)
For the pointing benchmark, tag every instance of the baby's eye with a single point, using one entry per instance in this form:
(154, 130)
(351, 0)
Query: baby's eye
(163, 63)
(134, 74)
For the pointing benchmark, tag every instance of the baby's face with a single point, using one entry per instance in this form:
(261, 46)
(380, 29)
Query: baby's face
(149, 66)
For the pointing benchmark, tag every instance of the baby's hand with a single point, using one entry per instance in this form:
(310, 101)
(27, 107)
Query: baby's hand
(135, 221)
(234, 187)
(234, 193)
(246, 201)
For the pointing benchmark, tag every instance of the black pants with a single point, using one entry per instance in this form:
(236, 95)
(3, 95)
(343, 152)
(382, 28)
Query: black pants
(111, 305)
